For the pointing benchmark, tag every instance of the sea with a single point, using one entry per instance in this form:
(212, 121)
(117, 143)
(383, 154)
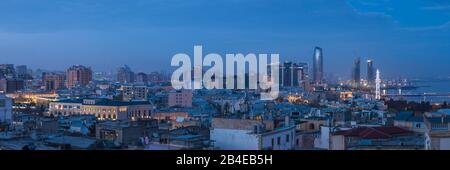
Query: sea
(427, 86)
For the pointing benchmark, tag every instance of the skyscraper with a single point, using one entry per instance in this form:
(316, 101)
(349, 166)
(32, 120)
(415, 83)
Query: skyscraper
(303, 79)
(293, 75)
(21, 71)
(318, 65)
(370, 72)
(78, 75)
(287, 74)
(125, 75)
(356, 73)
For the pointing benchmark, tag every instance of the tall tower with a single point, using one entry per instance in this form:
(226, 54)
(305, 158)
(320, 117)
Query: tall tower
(356, 73)
(287, 74)
(378, 86)
(318, 65)
(370, 72)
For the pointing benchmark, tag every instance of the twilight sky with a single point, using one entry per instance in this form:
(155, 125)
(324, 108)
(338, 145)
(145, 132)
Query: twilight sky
(405, 37)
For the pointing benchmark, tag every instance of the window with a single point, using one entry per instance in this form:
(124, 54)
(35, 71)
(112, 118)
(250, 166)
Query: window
(273, 142)
(287, 138)
(418, 125)
(279, 141)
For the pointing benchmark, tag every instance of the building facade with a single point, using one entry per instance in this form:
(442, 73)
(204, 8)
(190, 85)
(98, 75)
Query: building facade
(53, 81)
(21, 71)
(370, 72)
(244, 134)
(120, 133)
(78, 75)
(377, 138)
(437, 132)
(11, 85)
(180, 98)
(134, 92)
(103, 109)
(356, 72)
(5, 109)
(318, 65)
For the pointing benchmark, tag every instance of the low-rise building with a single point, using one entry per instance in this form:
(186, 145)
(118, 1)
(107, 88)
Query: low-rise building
(245, 134)
(120, 133)
(376, 138)
(437, 132)
(410, 121)
(103, 109)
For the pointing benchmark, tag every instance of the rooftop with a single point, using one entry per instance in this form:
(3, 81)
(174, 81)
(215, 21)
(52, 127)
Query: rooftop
(381, 132)
(408, 116)
(243, 124)
(105, 102)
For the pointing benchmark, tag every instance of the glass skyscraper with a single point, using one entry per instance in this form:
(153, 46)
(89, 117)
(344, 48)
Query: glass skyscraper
(357, 72)
(318, 65)
(370, 72)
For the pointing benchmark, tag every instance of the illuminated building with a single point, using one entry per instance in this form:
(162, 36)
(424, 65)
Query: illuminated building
(318, 65)
(378, 86)
(103, 109)
(345, 95)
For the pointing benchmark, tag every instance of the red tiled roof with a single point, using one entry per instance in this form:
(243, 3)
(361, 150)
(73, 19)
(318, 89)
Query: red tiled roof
(374, 132)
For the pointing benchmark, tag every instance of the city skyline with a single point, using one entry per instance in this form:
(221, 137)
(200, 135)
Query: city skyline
(104, 36)
(236, 75)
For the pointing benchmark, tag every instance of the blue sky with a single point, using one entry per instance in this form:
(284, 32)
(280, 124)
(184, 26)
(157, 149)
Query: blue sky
(409, 38)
